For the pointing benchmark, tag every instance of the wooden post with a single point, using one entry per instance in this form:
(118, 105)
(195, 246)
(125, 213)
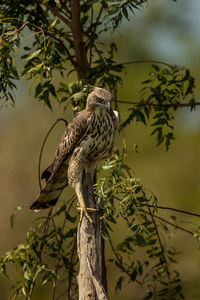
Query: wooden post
(89, 247)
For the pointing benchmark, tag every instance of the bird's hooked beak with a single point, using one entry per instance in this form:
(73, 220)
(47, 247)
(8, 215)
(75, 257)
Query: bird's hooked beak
(108, 105)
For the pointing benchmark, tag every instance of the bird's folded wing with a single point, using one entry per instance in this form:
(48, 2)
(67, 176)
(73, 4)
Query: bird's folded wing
(57, 179)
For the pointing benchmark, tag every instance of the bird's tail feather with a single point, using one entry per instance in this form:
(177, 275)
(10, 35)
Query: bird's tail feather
(46, 174)
(48, 196)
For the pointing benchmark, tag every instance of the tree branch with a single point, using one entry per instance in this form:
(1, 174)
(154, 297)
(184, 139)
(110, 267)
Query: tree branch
(100, 291)
(46, 223)
(120, 261)
(173, 209)
(160, 242)
(62, 34)
(89, 242)
(57, 262)
(70, 271)
(174, 225)
(145, 61)
(65, 8)
(64, 47)
(52, 36)
(56, 13)
(93, 27)
(79, 48)
(160, 105)
(42, 148)
(59, 243)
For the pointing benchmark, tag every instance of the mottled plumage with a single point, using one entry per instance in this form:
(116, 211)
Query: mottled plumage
(88, 138)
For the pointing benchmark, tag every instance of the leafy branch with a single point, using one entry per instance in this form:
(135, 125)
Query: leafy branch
(162, 93)
(121, 186)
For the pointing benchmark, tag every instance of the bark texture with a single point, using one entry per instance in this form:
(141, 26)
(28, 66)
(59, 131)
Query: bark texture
(77, 32)
(89, 245)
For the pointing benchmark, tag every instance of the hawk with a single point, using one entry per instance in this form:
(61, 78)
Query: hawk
(88, 139)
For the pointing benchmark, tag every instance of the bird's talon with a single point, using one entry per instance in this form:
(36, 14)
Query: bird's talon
(84, 212)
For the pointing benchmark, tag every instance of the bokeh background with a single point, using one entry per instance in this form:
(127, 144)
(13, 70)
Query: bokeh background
(162, 30)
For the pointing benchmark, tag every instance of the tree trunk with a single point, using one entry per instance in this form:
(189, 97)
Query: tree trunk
(89, 245)
(79, 48)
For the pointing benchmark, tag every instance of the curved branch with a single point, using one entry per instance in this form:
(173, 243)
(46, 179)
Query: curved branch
(42, 148)
(100, 291)
(159, 241)
(52, 36)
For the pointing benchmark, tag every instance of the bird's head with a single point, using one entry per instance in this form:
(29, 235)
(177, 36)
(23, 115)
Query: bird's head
(99, 98)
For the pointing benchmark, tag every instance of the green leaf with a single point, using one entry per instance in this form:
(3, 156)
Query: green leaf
(13, 216)
(34, 54)
(125, 12)
(70, 233)
(156, 67)
(71, 218)
(54, 23)
(35, 68)
(119, 283)
(33, 82)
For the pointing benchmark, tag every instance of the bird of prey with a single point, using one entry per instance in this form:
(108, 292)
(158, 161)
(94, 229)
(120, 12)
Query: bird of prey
(88, 139)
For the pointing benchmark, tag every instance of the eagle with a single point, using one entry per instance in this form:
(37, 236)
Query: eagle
(88, 139)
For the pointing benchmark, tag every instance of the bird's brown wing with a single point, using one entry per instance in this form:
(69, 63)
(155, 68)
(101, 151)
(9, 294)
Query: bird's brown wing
(57, 181)
(72, 137)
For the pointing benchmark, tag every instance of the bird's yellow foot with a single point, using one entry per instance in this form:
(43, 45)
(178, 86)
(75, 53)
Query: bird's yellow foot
(84, 212)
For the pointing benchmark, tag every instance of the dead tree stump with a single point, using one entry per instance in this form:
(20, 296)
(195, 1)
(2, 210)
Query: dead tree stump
(89, 247)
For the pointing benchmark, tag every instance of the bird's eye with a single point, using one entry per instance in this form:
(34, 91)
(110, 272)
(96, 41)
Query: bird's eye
(99, 99)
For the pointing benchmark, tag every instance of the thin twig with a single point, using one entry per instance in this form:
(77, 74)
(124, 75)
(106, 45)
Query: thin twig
(43, 144)
(56, 13)
(120, 261)
(53, 36)
(97, 20)
(174, 225)
(57, 262)
(19, 29)
(124, 151)
(160, 105)
(115, 98)
(47, 222)
(70, 270)
(70, 202)
(61, 295)
(91, 21)
(64, 47)
(167, 208)
(173, 209)
(66, 8)
(31, 292)
(93, 29)
(142, 61)
(59, 243)
(31, 26)
(98, 52)
(160, 242)
(61, 34)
